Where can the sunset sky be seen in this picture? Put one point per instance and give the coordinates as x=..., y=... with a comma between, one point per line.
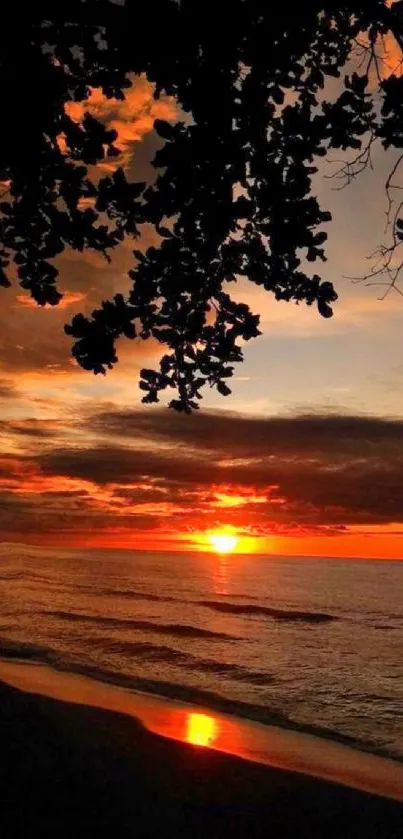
x=306, y=456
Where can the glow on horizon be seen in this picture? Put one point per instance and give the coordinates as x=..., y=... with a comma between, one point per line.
x=383, y=543
x=223, y=543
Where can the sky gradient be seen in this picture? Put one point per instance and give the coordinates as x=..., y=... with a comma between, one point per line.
x=306, y=456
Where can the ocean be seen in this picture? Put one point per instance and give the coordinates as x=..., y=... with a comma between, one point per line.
x=309, y=644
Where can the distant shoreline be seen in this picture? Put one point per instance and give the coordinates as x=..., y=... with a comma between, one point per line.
x=271, y=745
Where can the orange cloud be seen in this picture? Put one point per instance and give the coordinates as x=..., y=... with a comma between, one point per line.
x=112, y=494
x=132, y=118
x=389, y=58
x=225, y=499
x=390, y=55
x=68, y=299
x=392, y=58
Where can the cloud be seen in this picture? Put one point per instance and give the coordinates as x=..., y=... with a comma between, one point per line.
x=132, y=118
x=327, y=469
x=120, y=465
x=267, y=475
x=7, y=390
x=134, y=469
x=68, y=299
x=391, y=53
x=32, y=338
x=32, y=427
x=356, y=311
x=47, y=516
x=239, y=436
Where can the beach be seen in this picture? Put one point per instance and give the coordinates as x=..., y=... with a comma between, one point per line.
x=71, y=768
x=312, y=646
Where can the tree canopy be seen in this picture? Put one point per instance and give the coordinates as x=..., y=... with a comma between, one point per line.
x=232, y=195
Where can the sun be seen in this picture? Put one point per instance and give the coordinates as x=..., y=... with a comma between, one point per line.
x=223, y=543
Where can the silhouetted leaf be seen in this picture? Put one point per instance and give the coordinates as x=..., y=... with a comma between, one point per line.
x=164, y=129
x=223, y=389
x=324, y=309
x=232, y=196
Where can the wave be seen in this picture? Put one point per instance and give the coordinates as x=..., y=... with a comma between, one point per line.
x=386, y=626
x=242, y=596
x=137, y=650
x=266, y=611
x=178, y=629
x=28, y=652
x=190, y=695
x=217, y=605
x=168, y=655
x=129, y=594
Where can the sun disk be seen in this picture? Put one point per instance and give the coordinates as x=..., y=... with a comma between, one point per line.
x=223, y=542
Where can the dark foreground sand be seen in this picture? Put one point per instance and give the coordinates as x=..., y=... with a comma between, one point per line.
x=73, y=770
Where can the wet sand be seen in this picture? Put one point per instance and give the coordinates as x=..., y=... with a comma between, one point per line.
x=69, y=768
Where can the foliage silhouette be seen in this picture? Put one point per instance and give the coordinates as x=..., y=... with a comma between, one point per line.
x=233, y=195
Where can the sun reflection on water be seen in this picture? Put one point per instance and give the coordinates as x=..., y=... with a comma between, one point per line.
x=220, y=574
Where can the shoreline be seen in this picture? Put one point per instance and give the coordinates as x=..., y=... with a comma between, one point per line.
x=21, y=654
x=69, y=769
x=264, y=744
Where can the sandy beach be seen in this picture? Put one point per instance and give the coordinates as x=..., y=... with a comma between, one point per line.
x=68, y=767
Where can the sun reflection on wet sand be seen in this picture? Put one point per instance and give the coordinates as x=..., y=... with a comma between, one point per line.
x=201, y=729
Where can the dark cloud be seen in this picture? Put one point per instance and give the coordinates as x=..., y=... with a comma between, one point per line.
x=116, y=464
x=267, y=474
x=59, y=513
x=337, y=468
x=45, y=429
x=7, y=390
x=327, y=469
x=234, y=435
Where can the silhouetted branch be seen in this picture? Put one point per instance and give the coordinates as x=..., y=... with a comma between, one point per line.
x=351, y=169
x=387, y=264
x=389, y=187
x=368, y=57
x=384, y=266
x=254, y=116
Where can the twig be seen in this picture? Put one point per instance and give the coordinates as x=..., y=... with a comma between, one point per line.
x=350, y=169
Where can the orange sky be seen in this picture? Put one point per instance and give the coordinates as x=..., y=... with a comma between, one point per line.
x=100, y=475
x=302, y=459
